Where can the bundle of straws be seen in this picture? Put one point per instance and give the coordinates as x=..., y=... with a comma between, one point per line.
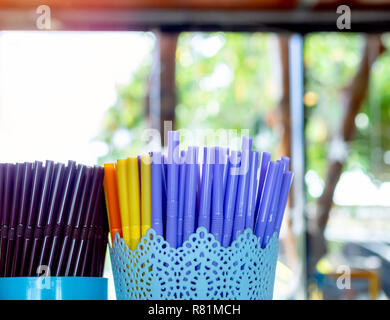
x=52, y=216
x=175, y=195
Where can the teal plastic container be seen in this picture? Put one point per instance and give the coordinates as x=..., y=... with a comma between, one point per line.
x=201, y=269
x=53, y=288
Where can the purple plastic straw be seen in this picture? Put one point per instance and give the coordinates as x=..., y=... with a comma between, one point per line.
x=246, y=143
x=73, y=203
x=38, y=230
x=250, y=210
x=89, y=212
x=182, y=181
x=24, y=200
x=242, y=193
x=225, y=169
x=218, y=197
x=265, y=159
x=62, y=212
x=8, y=186
x=99, y=199
x=77, y=227
x=52, y=211
x=2, y=174
x=190, y=193
x=164, y=192
x=206, y=188
x=2, y=166
x=198, y=181
x=165, y=173
x=19, y=169
x=156, y=168
x=230, y=198
x=285, y=189
x=105, y=239
x=172, y=188
x=31, y=215
x=286, y=163
x=265, y=201
x=269, y=229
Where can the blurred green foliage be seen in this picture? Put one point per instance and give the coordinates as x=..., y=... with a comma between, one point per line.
x=331, y=60
x=232, y=81
x=125, y=120
x=224, y=80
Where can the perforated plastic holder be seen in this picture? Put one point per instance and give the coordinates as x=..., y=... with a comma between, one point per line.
x=199, y=270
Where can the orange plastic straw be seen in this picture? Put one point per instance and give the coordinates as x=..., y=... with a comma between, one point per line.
x=111, y=192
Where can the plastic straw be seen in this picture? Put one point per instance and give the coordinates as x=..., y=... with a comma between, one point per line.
x=164, y=193
x=218, y=196
x=197, y=191
x=8, y=186
x=146, y=212
x=265, y=201
x=38, y=229
x=81, y=250
x=182, y=182
x=102, y=238
x=190, y=193
x=62, y=211
x=73, y=203
x=156, y=193
x=2, y=174
x=246, y=143
x=19, y=168
x=274, y=204
x=103, y=254
x=225, y=169
x=230, y=198
x=134, y=202
x=172, y=188
x=285, y=189
x=121, y=175
x=77, y=228
x=242, y=195
x=104, y=243
x=31, y=215
x=111, y=191
x=52, y=211
x=286, y=163
x=97, y=249
x=99, y=200
x=265, y=159
x=250, y=210
x=206, y=188
x=24, y=202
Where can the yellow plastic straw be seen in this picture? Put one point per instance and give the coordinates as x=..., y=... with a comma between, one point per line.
x=146, y=204
x=134, y=202
x=121, y=176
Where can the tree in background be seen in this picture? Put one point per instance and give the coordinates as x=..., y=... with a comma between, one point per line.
x=224, y=80
x=340, y=134
x=331, y=61
x=126, y=119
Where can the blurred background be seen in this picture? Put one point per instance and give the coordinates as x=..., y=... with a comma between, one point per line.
x=88, y=88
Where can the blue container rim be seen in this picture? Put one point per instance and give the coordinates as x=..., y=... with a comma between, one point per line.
x=53, y=288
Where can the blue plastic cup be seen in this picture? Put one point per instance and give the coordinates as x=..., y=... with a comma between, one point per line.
x=53, y=288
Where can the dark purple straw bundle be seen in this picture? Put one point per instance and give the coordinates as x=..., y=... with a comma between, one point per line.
x=53, y=218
